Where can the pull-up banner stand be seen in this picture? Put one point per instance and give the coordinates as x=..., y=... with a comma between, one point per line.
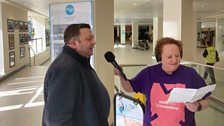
x=64, y=14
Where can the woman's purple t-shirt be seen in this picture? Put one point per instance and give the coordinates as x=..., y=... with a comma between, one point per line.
x=156, y=85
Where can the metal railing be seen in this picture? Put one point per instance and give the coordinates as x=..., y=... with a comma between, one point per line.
x=37, y=44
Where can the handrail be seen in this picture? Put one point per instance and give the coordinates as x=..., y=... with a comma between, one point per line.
x=30, y=47
x=132, y=65
x=182, y=62
x=190, y=62
x=217, y=100
x=35, y=38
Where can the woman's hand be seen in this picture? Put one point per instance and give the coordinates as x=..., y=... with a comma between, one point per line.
x=125, y=83
x=192, y=106
x=198, y=105
x=116, y=72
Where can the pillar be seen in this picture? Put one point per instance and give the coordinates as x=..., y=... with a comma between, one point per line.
x=157, y=30
x=123, y=36
x=2, y=70
x=134, y=36
x=178, y=23
x=104, y=35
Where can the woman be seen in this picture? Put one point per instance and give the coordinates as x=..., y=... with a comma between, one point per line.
x=156, y=82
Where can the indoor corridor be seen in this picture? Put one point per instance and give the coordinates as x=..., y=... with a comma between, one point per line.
x=21, y=94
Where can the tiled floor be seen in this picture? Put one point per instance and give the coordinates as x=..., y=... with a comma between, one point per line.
x=21, y=96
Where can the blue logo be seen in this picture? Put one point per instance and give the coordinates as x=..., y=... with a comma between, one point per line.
x=69, y=9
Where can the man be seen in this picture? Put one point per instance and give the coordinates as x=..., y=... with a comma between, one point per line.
x=210, y=54
x=73, y=94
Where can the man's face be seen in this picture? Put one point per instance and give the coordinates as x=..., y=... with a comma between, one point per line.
x=86, y=42
x=170, y=58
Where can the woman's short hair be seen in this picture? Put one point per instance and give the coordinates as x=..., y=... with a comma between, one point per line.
x=164, y=41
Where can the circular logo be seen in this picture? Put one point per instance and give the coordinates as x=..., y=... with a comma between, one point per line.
x=69, y=9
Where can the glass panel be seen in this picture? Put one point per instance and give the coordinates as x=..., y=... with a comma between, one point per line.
x=219, y=74
x=217, y=99
x=130, y=71
x=37, y=45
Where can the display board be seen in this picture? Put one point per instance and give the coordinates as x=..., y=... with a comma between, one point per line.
x=127, y=111
x=62, y=15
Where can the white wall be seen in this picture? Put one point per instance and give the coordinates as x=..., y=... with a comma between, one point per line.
x=9, y=11
x=16, y=13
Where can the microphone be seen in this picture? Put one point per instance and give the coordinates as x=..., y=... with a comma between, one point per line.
x=109, y=56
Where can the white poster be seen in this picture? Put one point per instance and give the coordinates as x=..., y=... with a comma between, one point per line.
x=62, y=15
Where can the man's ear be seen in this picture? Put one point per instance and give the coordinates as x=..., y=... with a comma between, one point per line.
x=73, y=44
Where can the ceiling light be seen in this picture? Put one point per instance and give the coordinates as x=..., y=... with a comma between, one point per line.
x=134, y=4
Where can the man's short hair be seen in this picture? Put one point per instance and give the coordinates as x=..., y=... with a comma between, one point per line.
x=73, y=31
x=209, y=43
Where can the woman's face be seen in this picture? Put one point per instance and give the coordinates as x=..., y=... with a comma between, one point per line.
x=170, y=58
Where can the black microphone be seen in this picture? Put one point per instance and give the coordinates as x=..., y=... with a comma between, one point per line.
x=109, y=56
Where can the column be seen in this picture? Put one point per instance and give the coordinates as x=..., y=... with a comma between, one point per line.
x=157, y=30
x=104, y=35
x=199, y=34
x=123, y=36
x=118, y=31
x=218, y=36
x=134, y=36
x=192, y=45
x=2, y=71
x=178, y=23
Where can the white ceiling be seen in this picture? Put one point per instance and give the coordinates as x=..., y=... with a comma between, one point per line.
x=126, y=11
